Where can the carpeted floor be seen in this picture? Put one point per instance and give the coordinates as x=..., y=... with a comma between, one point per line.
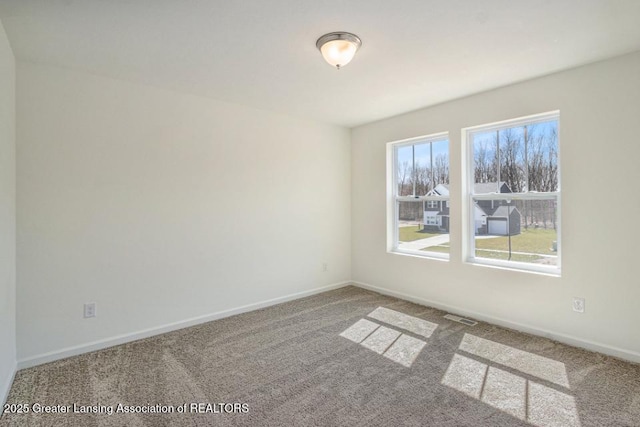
x=335, y=359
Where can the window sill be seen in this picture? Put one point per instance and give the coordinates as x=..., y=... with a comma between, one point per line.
x=420, y=254
x=550, y=271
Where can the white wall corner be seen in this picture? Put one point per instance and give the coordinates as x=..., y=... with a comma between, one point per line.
x=5, y=386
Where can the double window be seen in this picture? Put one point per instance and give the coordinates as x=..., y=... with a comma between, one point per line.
x=511, y=195
x=419, y=196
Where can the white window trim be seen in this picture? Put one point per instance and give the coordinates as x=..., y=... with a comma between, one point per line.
x=393, y=198
x=468, y=198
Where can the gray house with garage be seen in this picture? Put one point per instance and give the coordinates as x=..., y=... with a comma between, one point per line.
x=491, y=217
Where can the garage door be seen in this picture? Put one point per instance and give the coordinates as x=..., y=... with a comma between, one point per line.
x=498, y=227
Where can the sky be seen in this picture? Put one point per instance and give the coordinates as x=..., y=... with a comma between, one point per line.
x=423, y=152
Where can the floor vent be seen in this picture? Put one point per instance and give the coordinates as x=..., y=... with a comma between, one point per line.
x=460, y=320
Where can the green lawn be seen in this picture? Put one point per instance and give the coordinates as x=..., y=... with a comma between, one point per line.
x=487, y=254
x=505, y=256
x=533, y=241
x=411, y=233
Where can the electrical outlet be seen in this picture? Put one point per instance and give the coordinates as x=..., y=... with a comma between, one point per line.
x=578, y=305
x=325, y=267
x=90, y=310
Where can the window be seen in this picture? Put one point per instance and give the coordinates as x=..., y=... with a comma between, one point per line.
x=513, y=194
x=432, y=220
x=418, y=177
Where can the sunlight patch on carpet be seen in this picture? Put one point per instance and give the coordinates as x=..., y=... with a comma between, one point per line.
x=359, y=330
x=404, y=321
x=405, y=350
x=392, y=343
x=523, y=361
x=516, y=395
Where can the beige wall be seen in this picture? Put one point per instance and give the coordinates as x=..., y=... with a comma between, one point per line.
x=599, y=108
x=163, y=207
x=7, y=216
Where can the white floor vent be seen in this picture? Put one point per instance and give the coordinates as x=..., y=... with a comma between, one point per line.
x=459, y=319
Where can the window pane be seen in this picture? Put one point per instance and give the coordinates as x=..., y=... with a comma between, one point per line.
x=423, y=228
x=542, y=156
x=520, y=230
x=404, y=169
x=422, y=169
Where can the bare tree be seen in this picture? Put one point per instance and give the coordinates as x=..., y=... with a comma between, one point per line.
x=512, y=167
x=542, y=165
x=486, y=165
x=441, y=170
x=423, y=180
x=404, y=177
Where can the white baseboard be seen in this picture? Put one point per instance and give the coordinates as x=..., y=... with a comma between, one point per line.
x=134, y=336
x=620, y=353
x=6, y=386
x=146, y=333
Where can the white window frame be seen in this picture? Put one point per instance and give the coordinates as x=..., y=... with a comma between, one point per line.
x=393, y=198
x=469, y=198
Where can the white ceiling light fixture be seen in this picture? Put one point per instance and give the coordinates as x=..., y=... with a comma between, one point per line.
x=338, y=48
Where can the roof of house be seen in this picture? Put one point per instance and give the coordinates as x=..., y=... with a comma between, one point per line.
x=490, y=187
x=440, y=190
x=478, y=188
x=501, y=211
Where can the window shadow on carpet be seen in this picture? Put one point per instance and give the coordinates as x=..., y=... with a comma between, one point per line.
x=393, y=342
x=472, y=371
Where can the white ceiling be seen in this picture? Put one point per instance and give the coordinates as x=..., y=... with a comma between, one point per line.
x=262, y=53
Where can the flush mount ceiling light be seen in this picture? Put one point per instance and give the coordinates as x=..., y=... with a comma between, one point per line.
x=338, y=48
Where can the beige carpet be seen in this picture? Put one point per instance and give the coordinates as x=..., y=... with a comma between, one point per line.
x=343, y=358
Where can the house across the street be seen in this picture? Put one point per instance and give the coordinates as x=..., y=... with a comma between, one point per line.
x=492, y=217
